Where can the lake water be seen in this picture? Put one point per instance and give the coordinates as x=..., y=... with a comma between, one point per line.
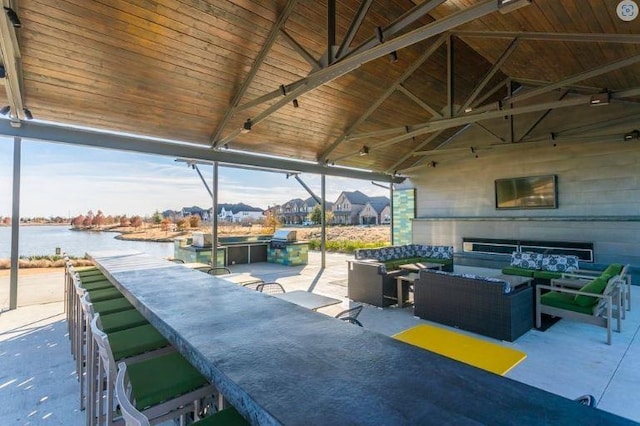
x=43, y=240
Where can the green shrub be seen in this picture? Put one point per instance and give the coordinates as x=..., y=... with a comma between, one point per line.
x=345, y=246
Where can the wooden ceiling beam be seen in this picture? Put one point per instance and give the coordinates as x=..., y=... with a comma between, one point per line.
x=541, y=36
x=275, y=30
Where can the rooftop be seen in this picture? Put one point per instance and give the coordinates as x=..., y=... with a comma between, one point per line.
x=38, y=384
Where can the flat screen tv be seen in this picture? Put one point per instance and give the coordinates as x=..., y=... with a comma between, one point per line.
x=533, y=192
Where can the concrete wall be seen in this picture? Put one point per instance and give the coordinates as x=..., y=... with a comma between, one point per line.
x=598, y=197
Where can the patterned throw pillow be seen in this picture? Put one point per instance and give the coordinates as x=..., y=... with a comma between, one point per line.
x=559, y=263
x=526, y=260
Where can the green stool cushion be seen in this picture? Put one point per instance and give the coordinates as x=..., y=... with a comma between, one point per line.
x=88, y=273
x=227, y=417
x=112, y=306
x=135, y=341
x=514, y=270
x=92, y=278
x=162, y=378
x=564, y=301
x=97, y=285
x=101, y=295
x=122, y=321
x=596, y=286
x=613, y=269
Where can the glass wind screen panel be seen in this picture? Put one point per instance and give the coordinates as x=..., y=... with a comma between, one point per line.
x=535, y=192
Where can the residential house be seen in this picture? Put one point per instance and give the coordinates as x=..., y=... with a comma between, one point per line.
x=348, y=206
x=377, y=211
x=196, y=211
x=239, y=213
x=292, y=212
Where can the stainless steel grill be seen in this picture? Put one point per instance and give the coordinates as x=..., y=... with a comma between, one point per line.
x=282, y=237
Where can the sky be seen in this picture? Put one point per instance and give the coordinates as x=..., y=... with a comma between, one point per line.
x=65, y=180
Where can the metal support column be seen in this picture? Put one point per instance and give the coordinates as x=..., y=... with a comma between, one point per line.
x=15, y=224
x=214, y=217
x=323, y=219
x=391, y=210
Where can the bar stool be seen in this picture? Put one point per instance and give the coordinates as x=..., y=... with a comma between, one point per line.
x=134, y=417
x=166, y=381
x=132, y=335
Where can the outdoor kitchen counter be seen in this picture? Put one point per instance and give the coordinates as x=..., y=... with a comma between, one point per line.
x=279, y=363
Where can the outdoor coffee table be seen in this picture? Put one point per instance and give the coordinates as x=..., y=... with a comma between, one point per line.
x=403, y=280
x=480, y=353
x=307, y=299
x=420, y=265
x=514, y=280
x=240, y=279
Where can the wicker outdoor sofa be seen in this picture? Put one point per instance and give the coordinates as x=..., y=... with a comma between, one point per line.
x=372, y=275
x=482, y=305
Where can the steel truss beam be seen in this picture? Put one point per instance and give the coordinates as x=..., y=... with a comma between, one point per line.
x=446, y=123
x=539, y=36
x=51, y=133
x=405, y=157
x=254, y=70
x=390, y=90
x=11, y=59
x=315, y=65
x=398, y=25
x=354, y=27
x=419, y=101
x=489, y=75
x=355, y=60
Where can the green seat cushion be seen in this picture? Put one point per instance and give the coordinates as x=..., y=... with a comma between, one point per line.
x=135, y=341
x=101, y=295
x=92, y=278
x=112, y=306
x=547, y=275
x=613, y=269
x=162, y=378
x=564, y=301
x=122, y=320
x=226, y=417
x=97, y=285
x=88, y=273
x=514, y=270
x=596, y=286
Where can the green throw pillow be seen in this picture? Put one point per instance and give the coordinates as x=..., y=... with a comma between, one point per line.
x=596, y=286
x=613, y=269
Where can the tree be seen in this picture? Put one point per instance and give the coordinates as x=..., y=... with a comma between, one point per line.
x=194, y=221
x=136, y=222
x=157, y=218
x=124, y=221
x=77, y=221
x=271, y=220
x=98, y=219
x=182, y=224
x=165, y=225
x=316, y=213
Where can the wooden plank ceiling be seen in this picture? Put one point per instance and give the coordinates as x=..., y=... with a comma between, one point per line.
x=172, y=69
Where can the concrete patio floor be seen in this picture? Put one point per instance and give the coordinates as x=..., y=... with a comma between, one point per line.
x=37, y=374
